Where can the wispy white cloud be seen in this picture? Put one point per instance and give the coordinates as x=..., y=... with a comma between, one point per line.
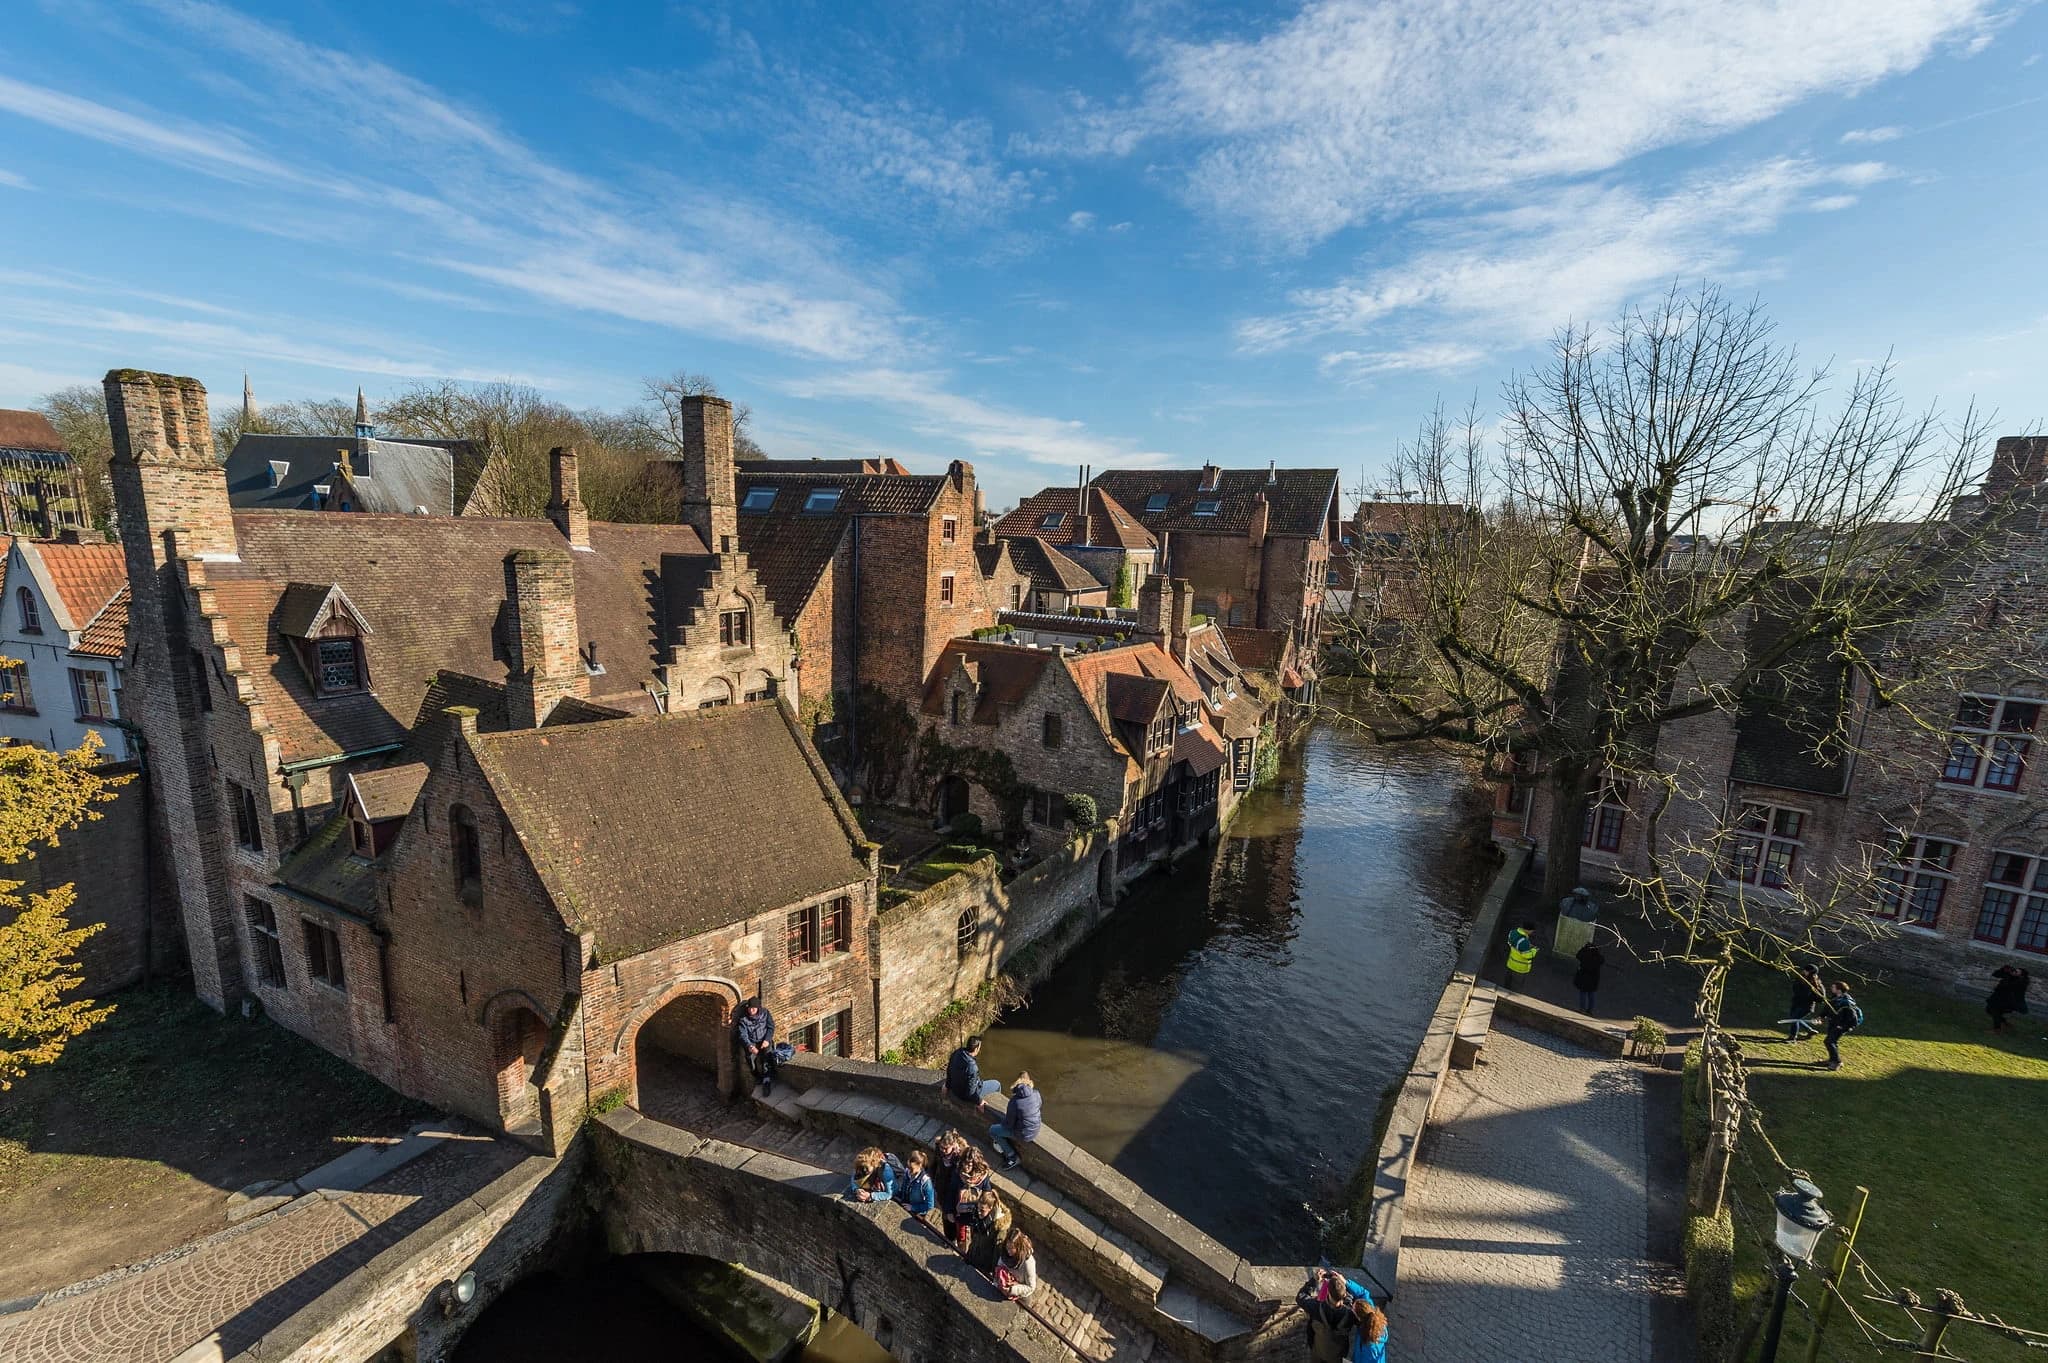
x=1358, y=108
x=10, y=180
x=1500, y=279
x=1081, y=220
x=218, y=151
x=1857, y=136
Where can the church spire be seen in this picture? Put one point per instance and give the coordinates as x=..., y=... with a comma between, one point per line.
x=248, y=402
x=364, y=430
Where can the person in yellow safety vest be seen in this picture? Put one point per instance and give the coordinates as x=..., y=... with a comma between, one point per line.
x=1521, y=953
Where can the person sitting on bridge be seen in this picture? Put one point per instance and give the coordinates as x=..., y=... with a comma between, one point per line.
x=755, y=1030
x=963, y=1074
x=1022, y=1122
x=1521, y=953
x=1369, y=1331
x=1017, y=1269
x=951, y=1149
x=914, y=1190
x=873, y=1179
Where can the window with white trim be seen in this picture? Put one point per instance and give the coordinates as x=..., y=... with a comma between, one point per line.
x=1765, y=847
x=1913, y=879
x=822, y=500
x=263, y=937
x=1989, y=742
x=2014, y=910
x=1606, y=817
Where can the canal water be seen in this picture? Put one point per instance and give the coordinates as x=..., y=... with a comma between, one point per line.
x=1224, y=1038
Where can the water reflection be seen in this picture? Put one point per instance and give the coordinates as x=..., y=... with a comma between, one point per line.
x=1224, y=1039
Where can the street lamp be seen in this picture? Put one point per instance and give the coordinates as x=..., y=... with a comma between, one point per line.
x=1801, y=1219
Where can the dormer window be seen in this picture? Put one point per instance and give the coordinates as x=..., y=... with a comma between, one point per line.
x=320, y=491
x=759, y=498
x=1052, y=520
x=278, y=469
x=326, y=633
x=1208, y=506
x=340, y=664
x=360, y=840
x=1157, y=502
x=822, y=501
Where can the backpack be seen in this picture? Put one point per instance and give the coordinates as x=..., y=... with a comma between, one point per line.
x=1855, y=1010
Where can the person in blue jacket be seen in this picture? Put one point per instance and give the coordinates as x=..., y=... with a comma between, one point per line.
x=873, y=1179
x=914, y=1190
x=755, y=1033
x=1022, y=1123
x=963, y=1074
x=1369, y=1331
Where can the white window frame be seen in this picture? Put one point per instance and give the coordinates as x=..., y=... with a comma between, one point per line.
x=2029, y=896
x=1906, y=872
x=1767, y=839
x=1987, y=744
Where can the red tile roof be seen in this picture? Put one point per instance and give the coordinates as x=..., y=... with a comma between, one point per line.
x=1003, y=675
x=1257, y=648
x=106, y=636
x=20, y=430
x=84, y=576
x=1110, y=525
x=1299, y=501
x=1200, y=749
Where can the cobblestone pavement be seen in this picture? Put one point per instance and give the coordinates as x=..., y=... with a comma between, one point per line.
x=253, y=1277
x=1092, y=1326
x=1527, y=1237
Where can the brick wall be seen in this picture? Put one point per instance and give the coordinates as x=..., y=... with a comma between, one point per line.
x=1084, y=762
x=702, y=667
x=923, y=965
x=824, y=633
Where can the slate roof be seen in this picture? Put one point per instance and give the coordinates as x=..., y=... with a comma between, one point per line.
x=30, y=432
x=910, y=494
x=389, y=792
x=881, y=465
x=402, y=474
x=729, y=815
x=85, y=577
x=1300, y=501
x=106, y=636
x=325, y=867
x=431, y=591
x=1049, y=569
x=790, y=554
x=1110, y=525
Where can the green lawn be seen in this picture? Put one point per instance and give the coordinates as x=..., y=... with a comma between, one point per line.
x=1947, y=1126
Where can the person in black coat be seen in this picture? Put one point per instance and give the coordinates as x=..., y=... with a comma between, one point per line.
x=1587, y=978
x=1807, y=992
x=2008, y=995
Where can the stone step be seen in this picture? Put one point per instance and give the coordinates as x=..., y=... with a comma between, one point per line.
x=1197, y=1314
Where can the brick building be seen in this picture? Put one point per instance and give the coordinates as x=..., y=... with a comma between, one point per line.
x=41, y=492
x=1128, y=723
x=875, y=572
x=480, y=804
x=1053, y=582
x=63, y=630
x=1954, y=825
x=1097, y=532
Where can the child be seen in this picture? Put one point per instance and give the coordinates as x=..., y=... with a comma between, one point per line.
x=1017, y=1271
x=914, y=1190
x=973, y=1181
x=873, y=1179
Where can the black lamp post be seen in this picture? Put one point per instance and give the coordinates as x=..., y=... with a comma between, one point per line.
x=1801, y=1219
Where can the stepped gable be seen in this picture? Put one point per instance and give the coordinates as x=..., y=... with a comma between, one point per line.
x=1299, y=501
x=731, y=797
x=430, y=593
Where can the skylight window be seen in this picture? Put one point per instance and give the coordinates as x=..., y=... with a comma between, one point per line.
x=1157, y=501
x=1052, y=520
x=822, y=499
x=1208, y=506
x=758, y=499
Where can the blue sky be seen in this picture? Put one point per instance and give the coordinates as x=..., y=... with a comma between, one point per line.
x=1032, y=234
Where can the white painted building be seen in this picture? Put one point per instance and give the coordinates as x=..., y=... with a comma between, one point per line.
x=63, y=631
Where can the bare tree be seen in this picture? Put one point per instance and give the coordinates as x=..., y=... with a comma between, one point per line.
x=80, y=415
x=1674, y=519
x=664, y=400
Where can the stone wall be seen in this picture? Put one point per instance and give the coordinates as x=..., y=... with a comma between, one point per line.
x=667, y=1191
x=923, y=965
x=121, y=883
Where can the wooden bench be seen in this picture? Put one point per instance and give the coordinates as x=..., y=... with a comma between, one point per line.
x=1473, y=1025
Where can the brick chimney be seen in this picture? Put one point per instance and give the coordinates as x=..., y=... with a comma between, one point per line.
x=540, y=590
x=565, y=505
x=165, y=476
x=1180, y=617
x=707, y=472
x=2018, y=464
x=1262, y=515
x=1155, y=603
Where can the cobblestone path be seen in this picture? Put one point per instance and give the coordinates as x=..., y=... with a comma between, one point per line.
x=1092, y=1326
x=253, y=1277
x=1527, y=1234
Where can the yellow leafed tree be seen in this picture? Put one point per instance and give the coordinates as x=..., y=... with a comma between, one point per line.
x=42, y=796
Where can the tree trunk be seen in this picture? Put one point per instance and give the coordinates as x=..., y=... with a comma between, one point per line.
x=1561, y=844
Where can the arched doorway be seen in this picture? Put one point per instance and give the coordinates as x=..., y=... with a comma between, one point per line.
x=952, y=799
x=683, y=1061
x=520, y=1039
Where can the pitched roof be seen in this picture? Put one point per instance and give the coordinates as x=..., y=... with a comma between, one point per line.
x=728, y=815
x=401, y=474
x=1200, y=749
x=1109, y=524
x=1049, y=569
x=1115, y=701
x=431, y=591
x=325, y=867
x=85, y=577
x=789, y=554
x=1134, y=699
x=389, y=792
x=1299, y=501
x=106, y=635
x=910, y=494
x=22, y=430
x=1257, y=648
x=1004, y=674
x=880, y=465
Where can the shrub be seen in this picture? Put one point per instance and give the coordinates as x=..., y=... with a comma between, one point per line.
x=1648, y=1037
x=1081, y=811
x=967, y=826
x=1710, y=1280
x=609, y=1101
